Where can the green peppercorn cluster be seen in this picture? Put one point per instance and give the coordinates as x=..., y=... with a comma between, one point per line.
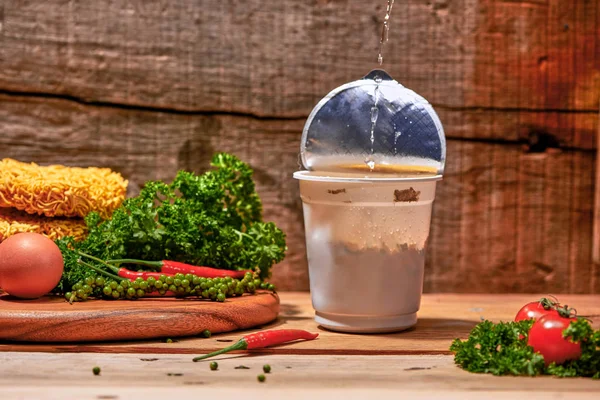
x=215, y=289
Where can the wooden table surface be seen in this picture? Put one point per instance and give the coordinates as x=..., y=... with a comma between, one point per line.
x=416, y=362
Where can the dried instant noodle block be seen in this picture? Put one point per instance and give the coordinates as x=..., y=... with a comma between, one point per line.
x=57, y=190
x=13, y=222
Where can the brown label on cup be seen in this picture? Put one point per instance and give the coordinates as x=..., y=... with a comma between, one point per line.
x=406, y=195
x=336, y=191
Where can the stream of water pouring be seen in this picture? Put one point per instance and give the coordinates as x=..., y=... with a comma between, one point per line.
x=375, y=110
x=385, y=30
x=374, y=115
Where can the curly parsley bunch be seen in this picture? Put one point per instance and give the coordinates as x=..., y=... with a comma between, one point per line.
x=213, y=219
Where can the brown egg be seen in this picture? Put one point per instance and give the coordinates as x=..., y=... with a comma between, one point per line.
x=31, y=265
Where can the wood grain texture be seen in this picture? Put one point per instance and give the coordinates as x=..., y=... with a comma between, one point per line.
x=506, y=63
x=504, y=219
x=596, y=236
x=441, y=319
x=52, y=319
x=147, y=87
x=159, y=376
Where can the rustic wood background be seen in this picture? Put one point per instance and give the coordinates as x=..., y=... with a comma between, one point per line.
x=148, y=87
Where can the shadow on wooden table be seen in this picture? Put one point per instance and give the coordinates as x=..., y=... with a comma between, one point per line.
x=426, y=328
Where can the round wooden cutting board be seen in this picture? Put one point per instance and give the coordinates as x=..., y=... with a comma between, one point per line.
x=52, y=319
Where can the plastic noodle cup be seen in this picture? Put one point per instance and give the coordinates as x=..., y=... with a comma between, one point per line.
x=365, y=241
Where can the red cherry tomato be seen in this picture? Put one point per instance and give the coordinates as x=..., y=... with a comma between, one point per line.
x=546, y=338
x=536, y=310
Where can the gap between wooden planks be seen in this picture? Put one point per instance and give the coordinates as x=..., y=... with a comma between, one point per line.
x=442, y=318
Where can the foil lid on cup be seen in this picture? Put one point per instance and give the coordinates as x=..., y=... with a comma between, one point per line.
x=374, y=126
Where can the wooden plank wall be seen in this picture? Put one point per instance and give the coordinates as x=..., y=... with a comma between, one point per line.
x=148, y=87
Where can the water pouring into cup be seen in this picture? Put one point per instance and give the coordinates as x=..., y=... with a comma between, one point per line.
x=373, y=151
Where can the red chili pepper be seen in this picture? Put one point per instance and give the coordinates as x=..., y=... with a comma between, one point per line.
x=124, y=272
x=175, y=267
x=260, y=340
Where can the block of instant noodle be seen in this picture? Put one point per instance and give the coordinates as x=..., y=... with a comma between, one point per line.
x=13, y=222
x=57, y=190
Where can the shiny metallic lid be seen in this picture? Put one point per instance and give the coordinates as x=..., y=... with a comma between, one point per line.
x=374, y=125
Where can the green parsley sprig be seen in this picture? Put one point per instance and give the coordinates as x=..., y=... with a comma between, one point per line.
x=213, y=219
x=501, y=349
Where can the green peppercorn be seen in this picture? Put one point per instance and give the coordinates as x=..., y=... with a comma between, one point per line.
x=169, y=340
x=143, y=285
x=185, y=282
x=158, y=284
x=169, y=280
x=179, y=276
x=131, y=291
x=163, y=278
x=99, y=281
x=107, y=290
x=151, y=281
x=271, y=287
x=267, y=368
x=261, y=378
x=68, y=295
x=96, y=370
x=221, y=297
x=115, y=294
x=89, y=281
x=206, y=333
x=214, y=366
x=189, y=277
